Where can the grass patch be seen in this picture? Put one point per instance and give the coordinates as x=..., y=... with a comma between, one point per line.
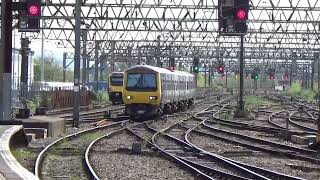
x=307, y=94
x=200, y=80
x=252, y=102
x=21, y=154
x=91, y=136
x=226, y=115
x=296, y=91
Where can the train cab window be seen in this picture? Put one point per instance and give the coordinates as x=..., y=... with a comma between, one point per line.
x=116, y=80
x=141, y=82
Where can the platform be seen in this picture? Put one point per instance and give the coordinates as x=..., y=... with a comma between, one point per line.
x=10, y=168
x=55, y=126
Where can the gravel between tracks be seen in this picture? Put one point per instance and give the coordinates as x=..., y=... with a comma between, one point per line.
x=112, y=159
x=35, y=147
x=260, y=159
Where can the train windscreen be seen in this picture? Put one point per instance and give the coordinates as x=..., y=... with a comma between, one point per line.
x=116, y=80
x=141, y=82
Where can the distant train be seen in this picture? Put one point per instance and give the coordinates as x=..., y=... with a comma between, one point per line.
x=150, y=91
x=115, y=86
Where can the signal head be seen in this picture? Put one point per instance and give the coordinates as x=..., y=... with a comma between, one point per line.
x=271, y=77
x=241, y=14
x=33, y=9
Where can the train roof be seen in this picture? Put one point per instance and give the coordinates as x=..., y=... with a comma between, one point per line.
x=116, y=73
x=162, y=70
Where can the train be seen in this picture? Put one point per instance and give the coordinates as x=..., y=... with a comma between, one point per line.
x=152, y=91
x=115, y=86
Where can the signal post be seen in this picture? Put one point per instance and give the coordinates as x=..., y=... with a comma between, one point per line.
x=233, y=15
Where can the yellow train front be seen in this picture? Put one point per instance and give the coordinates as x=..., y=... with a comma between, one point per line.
x=149, y=91
x=115, y=86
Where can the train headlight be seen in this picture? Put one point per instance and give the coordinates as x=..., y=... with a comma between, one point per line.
x=129, y=97
x=153, y=97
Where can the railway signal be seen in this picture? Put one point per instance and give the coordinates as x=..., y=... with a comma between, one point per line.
x=171, y=64
x=271, y=76
x=241, y=15
x=233, y=16
x=196, y=65
x=271, y=73
x=220, y=69
x=255, y=75
x=29, y=16
x=212, y=75
x=286, y=76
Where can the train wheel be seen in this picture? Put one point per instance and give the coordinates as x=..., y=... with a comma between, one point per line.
x=190, y=104
x=167, y=109
x=159, y=112
x=183, y=105
x=175, y=107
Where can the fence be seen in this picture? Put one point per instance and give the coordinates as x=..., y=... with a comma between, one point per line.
x=64, y=98
x=56, y=97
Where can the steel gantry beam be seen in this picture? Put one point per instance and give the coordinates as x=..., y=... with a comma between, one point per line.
x=140, y=30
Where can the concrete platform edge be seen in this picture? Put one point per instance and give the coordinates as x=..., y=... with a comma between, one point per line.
x=9, y=159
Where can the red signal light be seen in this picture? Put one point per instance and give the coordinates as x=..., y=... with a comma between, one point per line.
x=271, y=77
x=222, y=77
x=33, y=9
x=241, y=14
x=220, y=69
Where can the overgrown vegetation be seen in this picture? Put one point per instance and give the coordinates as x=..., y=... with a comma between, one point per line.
x=253, y=102
x=100, y=98
x=91, y=136
x=296, y=91
x=21, y=153
x=200, y=80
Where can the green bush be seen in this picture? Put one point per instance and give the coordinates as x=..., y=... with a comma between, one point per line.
x=100, y=98
x=294, y=90
x=31, y=105
x=93, y=96
x=200, y=80
x=103, y=98
x=308, y=94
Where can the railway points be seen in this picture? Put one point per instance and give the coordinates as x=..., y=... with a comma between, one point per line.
x=170, y=89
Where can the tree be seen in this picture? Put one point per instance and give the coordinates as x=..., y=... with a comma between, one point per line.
x=52, y=71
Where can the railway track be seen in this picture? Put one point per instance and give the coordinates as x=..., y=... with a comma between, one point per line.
x=69, y=152
x=211, y=165
x=303, y=122
x=263, y=172
x=74, y=150
x=172, y=140
x=282, y=120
